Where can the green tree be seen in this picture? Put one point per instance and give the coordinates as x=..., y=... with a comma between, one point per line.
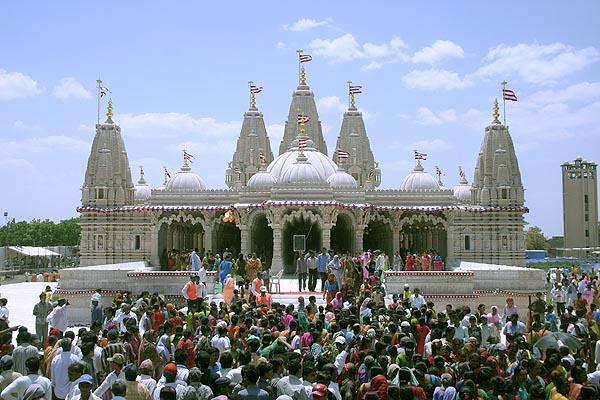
x=534, y=239
x=40, y=233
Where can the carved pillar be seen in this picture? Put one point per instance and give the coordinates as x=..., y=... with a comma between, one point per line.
x=358, y=239
x=451, y=237
x=395, y=239
x=176, y=238
x=277, y=262
x=244, y=239
x=208, y=233
x=429, y=239
x=326, y=236
x=154, y=256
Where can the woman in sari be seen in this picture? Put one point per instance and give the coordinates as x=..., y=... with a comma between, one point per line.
x=331, y=288
x=228, y=288
x=148, y=351
x=338, y=302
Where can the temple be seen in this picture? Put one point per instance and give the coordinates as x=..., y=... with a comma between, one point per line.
x=335, y=202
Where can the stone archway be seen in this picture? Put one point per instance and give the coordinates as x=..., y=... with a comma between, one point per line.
x=343, y=234
x=423, y=233
x=299, y=222
x=178, y=234
x=227, y=237
x=378, y=236
x=261, y=238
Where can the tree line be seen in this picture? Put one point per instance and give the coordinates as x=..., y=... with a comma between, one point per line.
x=41, y=233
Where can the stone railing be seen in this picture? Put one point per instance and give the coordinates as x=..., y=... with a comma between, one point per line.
x=431, y=282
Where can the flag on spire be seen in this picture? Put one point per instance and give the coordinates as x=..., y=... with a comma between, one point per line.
x=303, y=119
x=262, y=158
x=255, y=89
x=302, y=142
x=355, y=89
x=509, y=95
x=420, y=156
x=237, y=170
x=304, y=58
x=104, y=91
x=461, y=172
x=187, y=156
x=167, y=174
x=342, y=154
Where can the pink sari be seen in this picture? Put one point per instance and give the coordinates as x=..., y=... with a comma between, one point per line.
x=228, y=287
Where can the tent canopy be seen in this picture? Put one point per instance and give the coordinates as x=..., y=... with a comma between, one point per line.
x=32, y=251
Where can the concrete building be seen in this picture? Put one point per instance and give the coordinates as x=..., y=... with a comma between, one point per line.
x=580, y=207
x=335, y=201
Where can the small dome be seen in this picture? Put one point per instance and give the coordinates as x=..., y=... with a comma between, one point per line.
x=462, y=191
x=185, y=180
x=419, y=180
x=301, y=173
x=342, y=179
x=142, y=190
x=324, y=166
x=262, y=180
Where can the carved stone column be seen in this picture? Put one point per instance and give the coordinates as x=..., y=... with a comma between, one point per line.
x=326, y=236
x=358, y=239
x=244, y=239
x=395, y=239
x=208, y=234
x=277, y=262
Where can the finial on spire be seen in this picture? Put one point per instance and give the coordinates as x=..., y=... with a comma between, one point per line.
x=353, y=90
x=142, y=180
x=302, y=58
x=109, y=111
x=496, y=112
x=254, y=90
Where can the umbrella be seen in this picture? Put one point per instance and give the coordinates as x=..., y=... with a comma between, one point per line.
x=551, y=341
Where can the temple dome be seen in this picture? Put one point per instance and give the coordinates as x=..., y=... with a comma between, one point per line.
x=302, y=172
x=462, y=191
x=419, y=180
x=185, y=180
x=324, y=166
x=142, y=190
x=342, y=179
x=262, y=180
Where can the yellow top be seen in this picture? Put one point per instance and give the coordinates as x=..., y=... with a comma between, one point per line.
x=109, y=111
x=496, y=111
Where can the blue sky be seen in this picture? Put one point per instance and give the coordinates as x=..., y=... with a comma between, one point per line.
x=178, y=73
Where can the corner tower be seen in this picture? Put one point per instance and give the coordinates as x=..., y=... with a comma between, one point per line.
x=497, y=179
x=253, y=145
x=107, y=180
x=303, y=102
x=353, y=144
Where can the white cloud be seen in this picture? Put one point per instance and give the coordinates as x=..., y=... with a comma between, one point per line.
x=425, y=116
x=206, y=148
x=275, y=132
x=436, y=79
x=583, y=91
x=347, y=48
x=280, y=45
x=15, y=85
x=19, y=164
x=305, y=24
x=438, y=51
x=70, y=87
x=536, y=63
x=331, y=104
x=23, y=126
x=39, y=145
x=171, y=125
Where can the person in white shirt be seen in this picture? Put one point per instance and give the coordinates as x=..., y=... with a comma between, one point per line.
x=4, y=311
x=97, y=296
x=146, y=370
x=170, y=375
x=74, y=348
x=123, y=315
x=220, y=341
x=59, y=369
x=116, y=363
x=58, y=316
x=416, y=299
x=16, y=390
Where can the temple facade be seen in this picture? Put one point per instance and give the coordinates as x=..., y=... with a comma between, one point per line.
x=334, y=202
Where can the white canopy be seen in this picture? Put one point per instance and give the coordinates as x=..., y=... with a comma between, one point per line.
x=32, y=251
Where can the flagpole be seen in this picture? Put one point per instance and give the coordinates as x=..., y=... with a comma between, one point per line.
x=349, y=95
x=299, y=51
x=98, y=82
x=504, y=83
x=250, y=90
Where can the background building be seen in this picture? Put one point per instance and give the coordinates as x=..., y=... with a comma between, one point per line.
x=580, y=207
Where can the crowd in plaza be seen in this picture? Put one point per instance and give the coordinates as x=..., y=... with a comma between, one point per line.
x=357, y=345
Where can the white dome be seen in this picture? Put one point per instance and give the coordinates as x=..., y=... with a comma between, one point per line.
x=262, y=180
x=142, y=190
x=419, y=180
x=185, y=180
x=302, y=173
x=342, y=179
x=462, y=191
x=324, y=166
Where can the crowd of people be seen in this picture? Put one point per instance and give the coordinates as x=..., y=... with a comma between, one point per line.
x=357, y=345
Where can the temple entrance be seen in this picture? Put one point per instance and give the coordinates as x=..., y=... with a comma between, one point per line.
x=299, y=226
x=342, y=235
x=378, y=236
x=176, y=241
x=424, y=235
x=261, y=237
x=227, y=237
